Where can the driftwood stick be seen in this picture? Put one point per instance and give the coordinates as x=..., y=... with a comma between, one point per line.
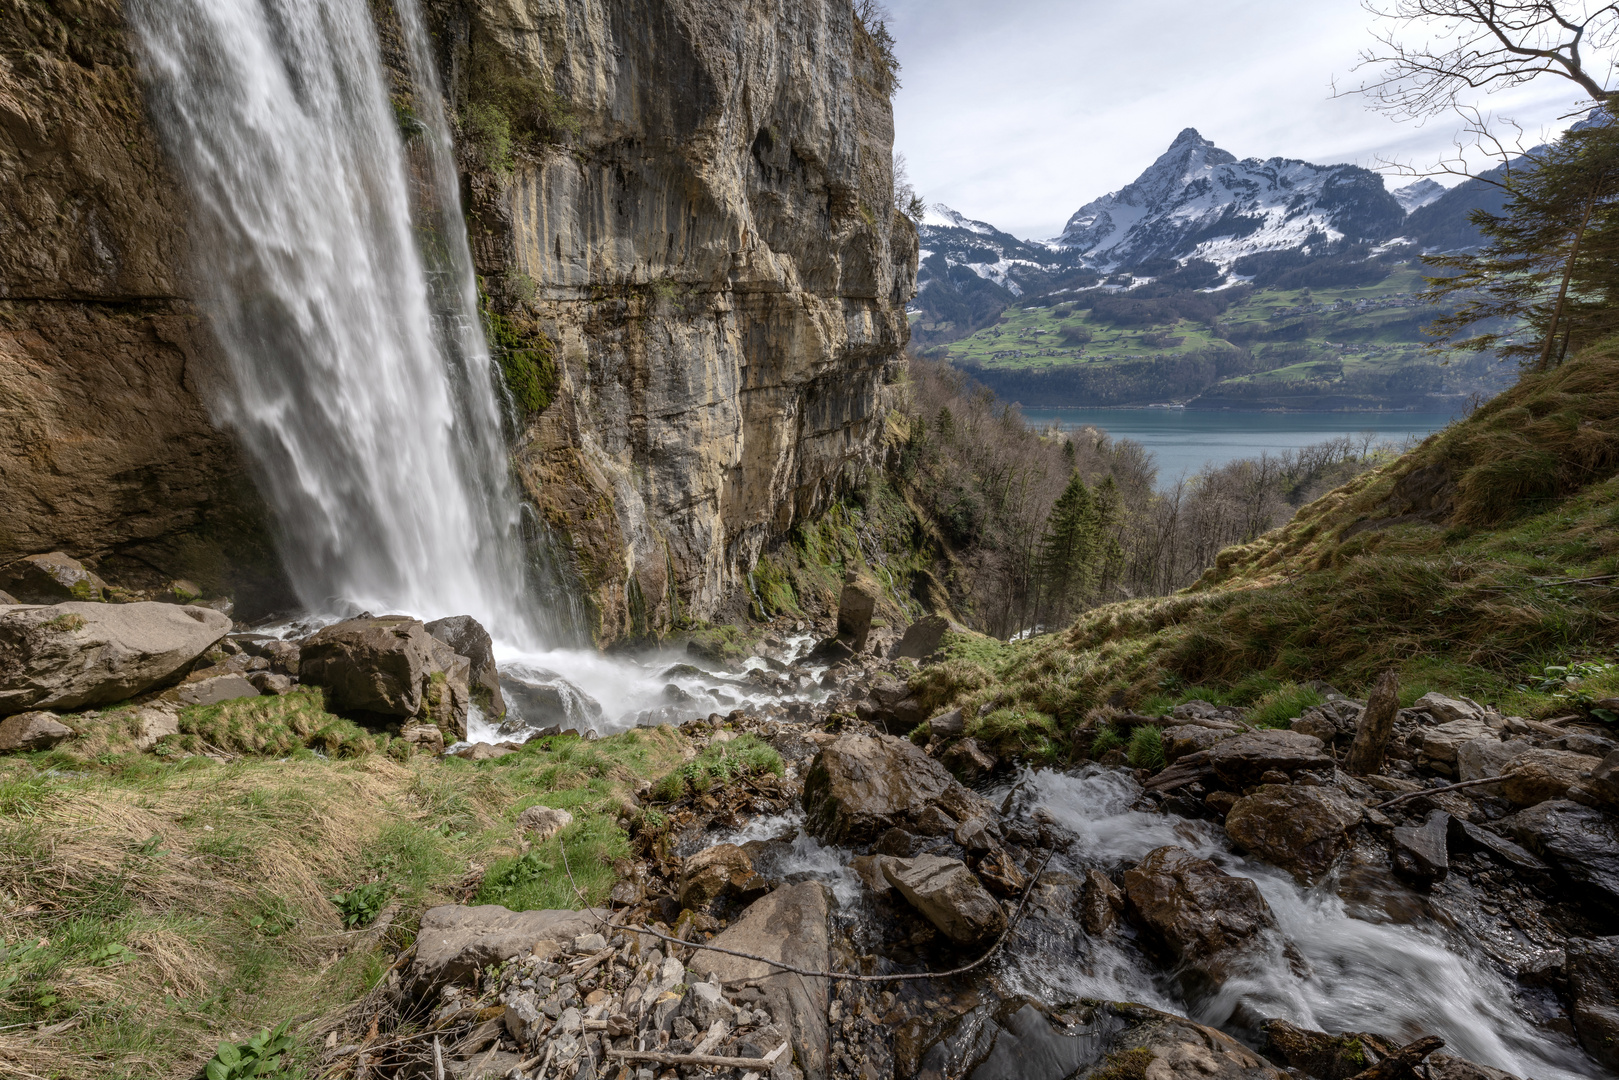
x=807, y=973
x=1448, y=787
x=711, y=1061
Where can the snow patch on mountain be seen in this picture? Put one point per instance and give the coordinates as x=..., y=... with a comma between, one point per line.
x=1415, y=196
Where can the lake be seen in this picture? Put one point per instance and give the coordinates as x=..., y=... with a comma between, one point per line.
x=1184, y=440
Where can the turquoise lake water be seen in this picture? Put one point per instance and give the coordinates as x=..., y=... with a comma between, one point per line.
x=1183, y=441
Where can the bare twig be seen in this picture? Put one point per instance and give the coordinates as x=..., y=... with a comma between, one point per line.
x=711, y=1061
x=1448, y=787
x=806, y=972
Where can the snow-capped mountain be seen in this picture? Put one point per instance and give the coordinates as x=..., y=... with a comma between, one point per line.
x=1416, y=196
x=1198, y=201
x=991, y=254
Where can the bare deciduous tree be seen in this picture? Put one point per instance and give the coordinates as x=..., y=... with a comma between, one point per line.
x=1487, y=46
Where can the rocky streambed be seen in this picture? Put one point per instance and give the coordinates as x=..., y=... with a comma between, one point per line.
x=1251, y=908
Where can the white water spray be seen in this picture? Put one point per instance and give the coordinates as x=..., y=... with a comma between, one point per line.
x=361, y=384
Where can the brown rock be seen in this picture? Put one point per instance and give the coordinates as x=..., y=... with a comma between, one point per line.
x=1601, y=788
x=540, y=823
x=1183, y=739
x=925, y=635
x=1537, y=775
x=1207, y=920
x=1220, y=802
x=856, y=605
x=1242, y=759
x=1102, y=904
x=949, y=896
x=1161, y=1046
x=788, y=925
x=1301, y=829
x=468, y=638
x=720, y=870
x=388, y=665
x=860, y=786
x=32, y=731
x=72, y=655
x=426, y=738
x=968, y=760
x=215, y=690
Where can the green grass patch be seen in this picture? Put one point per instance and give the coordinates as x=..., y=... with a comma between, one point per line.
x=1282, y=706
x=719, y=762
x=1146, y=749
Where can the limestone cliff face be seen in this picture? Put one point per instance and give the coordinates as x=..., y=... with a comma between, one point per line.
x=106, y=449
x=704, y=231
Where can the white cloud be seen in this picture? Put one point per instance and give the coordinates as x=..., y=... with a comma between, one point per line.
x=1019, y=113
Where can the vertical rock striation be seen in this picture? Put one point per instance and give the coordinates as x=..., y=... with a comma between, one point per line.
x=703, y=243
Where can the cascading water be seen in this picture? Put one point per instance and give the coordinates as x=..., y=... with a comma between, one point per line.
x=361, y=383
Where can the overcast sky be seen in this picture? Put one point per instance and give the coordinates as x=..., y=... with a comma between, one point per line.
x=1017, y=112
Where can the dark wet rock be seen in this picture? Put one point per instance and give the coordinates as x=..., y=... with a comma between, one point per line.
x=468, y=637
x=925, y=635
x=1333, y=721
x=1000, y=872
x=1301, y=829
x=1102, y=904
x=1580, y=842
x=790, y=926
x=1219, y=803
x=1535, y=776
x=1242, y=759
x=1056, y=897
x=860, y=786
x=1208, y=921
x=32, y=731
x=1155, y=1045
x=389, y=665
x=1465, y=836
x=1593, y=985
x=51, y=579
x=1184, y=739
x=73, y=655
x=978, y=834
x=1583, y=742
x=1315, y=1053
x=949, y=896
x=933, y=821
x=1422, y=854
x=455, y=940
x=541, y=699
x=1601, y=788
x=968, y=760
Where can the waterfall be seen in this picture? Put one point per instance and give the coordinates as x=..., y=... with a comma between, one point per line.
x=360, y=381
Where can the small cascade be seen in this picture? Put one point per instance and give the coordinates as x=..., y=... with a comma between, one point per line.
x=360, y=381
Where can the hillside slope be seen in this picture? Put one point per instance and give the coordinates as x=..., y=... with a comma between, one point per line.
x=1471, y=565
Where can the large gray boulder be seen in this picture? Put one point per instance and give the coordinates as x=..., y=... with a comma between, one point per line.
x=389, y=665
x=541, y=699
x=1208, y=921
x=788, y=926
x=455, y=940
x=859, y=786
x=1301, y=829
x=77, y=654
x=50, y=579
x=949, y=896
x=467, y=637
x=1242, y=759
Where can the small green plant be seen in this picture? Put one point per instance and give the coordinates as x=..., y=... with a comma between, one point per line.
x=1281, y=706
x=1563, y=681
x=490, y=130
x=65, y=624
x=361, y=904
x=530, y=868
x=1146, y=747
x=259, y=1056
x=1107, y=740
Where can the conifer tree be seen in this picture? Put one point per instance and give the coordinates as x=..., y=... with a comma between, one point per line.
x=1067, y=565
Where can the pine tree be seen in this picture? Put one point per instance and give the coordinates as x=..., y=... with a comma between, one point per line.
x=1549, y=270
x=1067, y=564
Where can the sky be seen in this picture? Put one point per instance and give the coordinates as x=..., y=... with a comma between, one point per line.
x=1018, y=112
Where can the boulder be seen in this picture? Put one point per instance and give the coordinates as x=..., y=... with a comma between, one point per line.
x=948, y=724
x=1422, y=855
x=723, y=869
x=1465, y=836
x=271, y=683
x=1242, y=759
x=968, y=760
x=32, y=731
x=1332, y=721
x=1208, y=921
x=1439, y=745
x=1448, y=709
x=860, y=786
x=1487, y=756
x=215, y=690
x=1593, y=986
x=1580, y=842
x=1301, y=829
x=1537, y=775
x=455, y=940
x=541, y=699
x=153, y=723
x=788, y=926
x=73, y=655
x=1156, y=1045
x=7, y=599
x=1601, y=788
x=389, y=665
x=467, y=637
x=856, y=605
x=540, y=823
x=1198, y=710
x=925, y=635
x=949, y=896
x=51, y=579
x=1183, y=739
